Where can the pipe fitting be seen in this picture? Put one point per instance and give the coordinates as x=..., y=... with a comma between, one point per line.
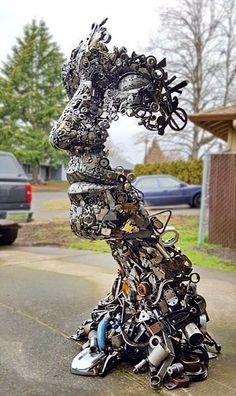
x=158, y=355
x=155, y=382
x=193, y=334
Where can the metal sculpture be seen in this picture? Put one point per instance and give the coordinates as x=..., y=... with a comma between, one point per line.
x=153, y=314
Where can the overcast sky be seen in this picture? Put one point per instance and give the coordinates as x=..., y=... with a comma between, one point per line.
x=130, y=22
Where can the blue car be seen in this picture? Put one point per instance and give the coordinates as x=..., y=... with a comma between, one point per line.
x=168, y=190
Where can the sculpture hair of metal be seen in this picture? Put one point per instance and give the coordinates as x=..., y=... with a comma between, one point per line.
x=153, y=315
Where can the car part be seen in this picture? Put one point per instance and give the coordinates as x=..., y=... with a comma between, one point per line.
x=8, y=232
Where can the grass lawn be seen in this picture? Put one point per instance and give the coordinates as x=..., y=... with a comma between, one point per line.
x=57, y=204
x=207, y=255
x=58, y=233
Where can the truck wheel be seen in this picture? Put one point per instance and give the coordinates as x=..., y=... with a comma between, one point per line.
x=8, y=236
x=196, y=201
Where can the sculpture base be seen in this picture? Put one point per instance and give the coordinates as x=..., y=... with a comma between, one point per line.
x=173, y=347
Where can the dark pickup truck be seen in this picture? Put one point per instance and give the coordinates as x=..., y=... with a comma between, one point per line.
x=15, y=197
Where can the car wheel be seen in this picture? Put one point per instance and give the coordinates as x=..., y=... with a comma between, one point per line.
x=8, y=236
x=196, y=201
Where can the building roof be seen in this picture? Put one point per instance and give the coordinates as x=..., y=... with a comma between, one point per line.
x=154, y=153
x=217, y=121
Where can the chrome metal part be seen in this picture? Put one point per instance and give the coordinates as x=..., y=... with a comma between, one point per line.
x=175, y=369
x=86, y=362
x=158, y=354
x=193, y=334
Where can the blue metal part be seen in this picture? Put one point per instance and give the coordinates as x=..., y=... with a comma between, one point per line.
x=101, y=334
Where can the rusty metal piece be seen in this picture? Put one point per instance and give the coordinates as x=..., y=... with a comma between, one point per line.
x=155, y=328
x=181, y=381
x=163, y=306
x=199, y=375
x=125, y=287
x=191, y=363
x=129, y=206
x=143, y=289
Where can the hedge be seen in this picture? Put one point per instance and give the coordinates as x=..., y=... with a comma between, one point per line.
x=187, y=171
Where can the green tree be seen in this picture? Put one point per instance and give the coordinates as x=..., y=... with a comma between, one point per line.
x=31, y=97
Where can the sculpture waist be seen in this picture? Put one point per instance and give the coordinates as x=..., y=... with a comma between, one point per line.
x=94, y=168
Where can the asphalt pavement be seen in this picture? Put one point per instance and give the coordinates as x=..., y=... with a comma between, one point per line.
x=45, y=293
x=41, y=212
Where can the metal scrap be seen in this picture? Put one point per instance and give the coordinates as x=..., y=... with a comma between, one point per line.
x=153, y=316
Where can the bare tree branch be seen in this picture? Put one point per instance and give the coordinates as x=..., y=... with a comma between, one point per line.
x=199, y=39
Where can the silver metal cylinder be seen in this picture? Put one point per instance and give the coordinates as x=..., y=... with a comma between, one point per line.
x=138, y=366
x=203, y=323
x=158, y=354
x=87, y=328
x=154, y=341
x=93, y=340
x=193, y=334
x=175, y=369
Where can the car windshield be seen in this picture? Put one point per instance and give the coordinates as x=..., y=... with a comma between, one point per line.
x=9, y=166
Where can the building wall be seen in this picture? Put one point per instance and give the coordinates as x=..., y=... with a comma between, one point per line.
x=63, y=172
x=222, y=200
x=45, y=172
x=58, y=173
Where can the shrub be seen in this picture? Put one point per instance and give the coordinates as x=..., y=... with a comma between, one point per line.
x=187, y=171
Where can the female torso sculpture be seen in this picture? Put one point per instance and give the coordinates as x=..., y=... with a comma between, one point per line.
x=154, y=277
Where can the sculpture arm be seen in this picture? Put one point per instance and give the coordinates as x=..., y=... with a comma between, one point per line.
x=80, y=124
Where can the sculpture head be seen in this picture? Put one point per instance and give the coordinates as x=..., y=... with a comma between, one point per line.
x=136, y=85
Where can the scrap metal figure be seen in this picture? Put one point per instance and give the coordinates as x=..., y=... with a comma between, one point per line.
x=153, y=314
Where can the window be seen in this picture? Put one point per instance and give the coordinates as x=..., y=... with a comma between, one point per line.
x=147, y=183
x=27, y=168
x=168, y=182
x=9, y=165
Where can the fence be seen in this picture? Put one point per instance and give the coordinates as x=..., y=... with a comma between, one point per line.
x=204, y=218
x=222, y=200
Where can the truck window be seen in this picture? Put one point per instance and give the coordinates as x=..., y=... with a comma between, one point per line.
x=10, y=166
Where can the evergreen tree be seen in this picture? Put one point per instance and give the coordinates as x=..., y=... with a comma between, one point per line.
x=31, y=97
